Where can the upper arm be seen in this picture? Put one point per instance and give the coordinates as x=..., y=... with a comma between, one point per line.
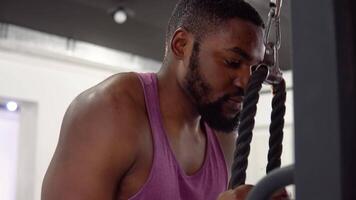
x=96, y=148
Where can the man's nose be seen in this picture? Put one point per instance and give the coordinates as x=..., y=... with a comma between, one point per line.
x=242, y=77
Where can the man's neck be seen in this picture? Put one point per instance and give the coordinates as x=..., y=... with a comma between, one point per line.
x=177, y=109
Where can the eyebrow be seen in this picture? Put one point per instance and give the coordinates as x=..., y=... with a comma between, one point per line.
x=241, y=52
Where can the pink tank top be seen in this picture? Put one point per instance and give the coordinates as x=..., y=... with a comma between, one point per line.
x=167, y=180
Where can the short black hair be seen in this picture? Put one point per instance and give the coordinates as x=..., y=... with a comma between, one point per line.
x=201, y=16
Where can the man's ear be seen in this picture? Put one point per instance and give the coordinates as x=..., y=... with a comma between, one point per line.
x=180, y=43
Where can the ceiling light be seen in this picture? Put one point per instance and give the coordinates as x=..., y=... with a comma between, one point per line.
x=11, y=106
x=120, y=16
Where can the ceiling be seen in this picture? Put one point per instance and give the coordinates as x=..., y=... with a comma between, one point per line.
x=91, y=21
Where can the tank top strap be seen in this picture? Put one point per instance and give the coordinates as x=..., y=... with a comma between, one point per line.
x=217, y=152
x=150, y=88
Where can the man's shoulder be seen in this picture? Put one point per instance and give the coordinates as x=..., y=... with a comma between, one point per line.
x=122, y=89
x=115, y=105
x=118, y=92
x=100, y=138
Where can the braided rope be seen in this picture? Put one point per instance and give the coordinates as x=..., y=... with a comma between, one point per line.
x=276, y=126
x=242, y=151
x=247, y=123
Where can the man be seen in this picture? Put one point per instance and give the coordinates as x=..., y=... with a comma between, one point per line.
x=167, y=135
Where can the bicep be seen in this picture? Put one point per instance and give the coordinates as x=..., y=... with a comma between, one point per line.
x=93, y=153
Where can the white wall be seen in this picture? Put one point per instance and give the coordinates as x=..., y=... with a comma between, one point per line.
x=9, y=131
x=52, y=85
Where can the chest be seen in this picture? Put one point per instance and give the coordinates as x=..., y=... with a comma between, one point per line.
x=189, y=155
x=189, y=152
x=168, y=166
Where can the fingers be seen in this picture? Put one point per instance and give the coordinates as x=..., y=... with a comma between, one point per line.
x=228, y=195
x=281, y=195
x=242, y=191
x=239, y=193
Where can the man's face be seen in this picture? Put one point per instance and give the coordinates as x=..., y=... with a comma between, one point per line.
x=219, y=69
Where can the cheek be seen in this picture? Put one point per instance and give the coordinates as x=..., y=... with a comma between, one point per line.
x=216, y=75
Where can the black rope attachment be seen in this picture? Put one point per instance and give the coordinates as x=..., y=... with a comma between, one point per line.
x=276, y=126
x=247, y=123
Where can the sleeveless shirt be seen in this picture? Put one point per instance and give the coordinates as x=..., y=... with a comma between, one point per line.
x=167, y=180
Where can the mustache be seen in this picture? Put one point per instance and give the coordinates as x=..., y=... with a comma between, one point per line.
x=238, y=93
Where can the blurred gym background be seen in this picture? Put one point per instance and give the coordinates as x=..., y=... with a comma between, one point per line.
x=50, y=51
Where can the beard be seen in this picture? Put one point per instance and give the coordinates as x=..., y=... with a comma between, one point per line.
x=212, y=112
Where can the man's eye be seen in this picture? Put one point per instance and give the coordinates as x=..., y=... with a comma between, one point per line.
x=233, y=64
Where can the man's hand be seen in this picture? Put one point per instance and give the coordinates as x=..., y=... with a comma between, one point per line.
x=241, y=192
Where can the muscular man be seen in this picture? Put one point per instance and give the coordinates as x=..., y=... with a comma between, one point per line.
x=168, y=135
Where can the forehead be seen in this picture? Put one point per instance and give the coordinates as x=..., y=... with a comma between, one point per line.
x=237, y=33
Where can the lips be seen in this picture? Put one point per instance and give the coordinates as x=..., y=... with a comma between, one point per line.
x=236, y=99
x=235, y=103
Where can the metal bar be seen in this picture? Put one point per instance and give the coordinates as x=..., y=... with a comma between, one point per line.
x=324, y=99
x=274, y=181
x=346, y=32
